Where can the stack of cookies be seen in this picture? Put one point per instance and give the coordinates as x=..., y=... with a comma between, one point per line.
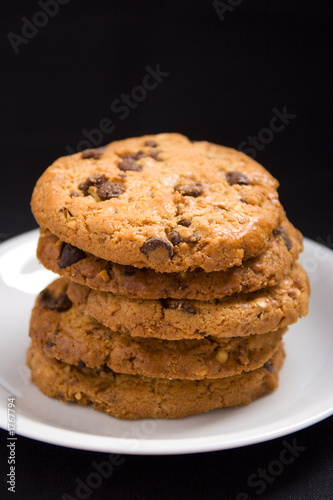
x=179, y=278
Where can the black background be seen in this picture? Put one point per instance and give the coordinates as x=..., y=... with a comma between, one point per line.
x=226, y=75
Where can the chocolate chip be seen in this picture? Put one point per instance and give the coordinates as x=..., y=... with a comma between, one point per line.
x=91, y=153
x=190, y=189
x=269, y=367
x=280, y=231
x=180, y=305
x=236, y=178
x=176, y=238
x=184, y=222
x=109, y=190
x=59, y=303
x=84, y=186
x=81, y=364
x=129, y=271
x=154, y=155
x=96, y=179
x=70, y=255
x=151, y=144
x=73, y=193
x=134, y=156
x=154, y=244
x=129, y=164
x=49, y=345
x=93, y=180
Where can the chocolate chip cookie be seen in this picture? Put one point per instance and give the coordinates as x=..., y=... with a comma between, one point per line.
x=62, y=332
x=258, y=272
x=160, y=202
x=173, y=319
x=135, y=397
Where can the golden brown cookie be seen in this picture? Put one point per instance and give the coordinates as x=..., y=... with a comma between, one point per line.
x=62, y=332
x=135, y=397
x=161, y=202
x=238, y=315
x=258, y=272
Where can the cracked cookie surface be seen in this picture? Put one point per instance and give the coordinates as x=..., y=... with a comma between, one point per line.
x=161, y=202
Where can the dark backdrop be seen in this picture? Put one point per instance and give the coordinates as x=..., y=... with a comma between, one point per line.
x=224, y=71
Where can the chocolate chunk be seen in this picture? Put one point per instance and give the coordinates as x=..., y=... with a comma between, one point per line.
x=49, y=345
x=157, y=244
x=176, y=238
x=109, y=190
x=269, y=367
x=96, y=179
x=84, y=186
x=129, y=271
x=129, y=164
x=184, y=222
x=154, y=155
x=190, y=189
x=180, y=305
x=280, y=231
x=70, y=255
x=92, y=153
x=134, y=156
x=151, y=144
x=237, y=178
x=93, y=180
x=128, y=161
x=60, y=303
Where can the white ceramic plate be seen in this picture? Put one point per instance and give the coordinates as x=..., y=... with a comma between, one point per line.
x=304, y=397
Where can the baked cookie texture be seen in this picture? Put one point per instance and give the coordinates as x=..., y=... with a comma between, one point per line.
x=179, y=278
x=61, y=331
x=136, y=397
x=262, y=271
x=161, y=202
x=238, y=315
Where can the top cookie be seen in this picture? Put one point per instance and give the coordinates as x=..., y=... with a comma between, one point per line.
x=161, y=202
